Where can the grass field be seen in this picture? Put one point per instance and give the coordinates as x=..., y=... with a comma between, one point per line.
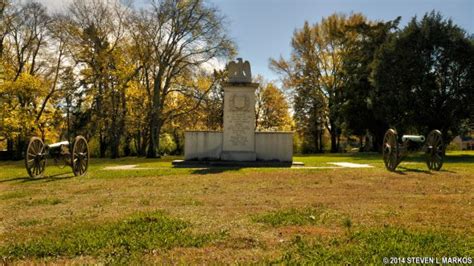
x=161, y=214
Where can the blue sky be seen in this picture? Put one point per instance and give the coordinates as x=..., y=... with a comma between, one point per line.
x=263, y=29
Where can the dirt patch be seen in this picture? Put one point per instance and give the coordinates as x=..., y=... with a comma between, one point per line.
x=121, y=167
x=336, y=165
x=351, y=165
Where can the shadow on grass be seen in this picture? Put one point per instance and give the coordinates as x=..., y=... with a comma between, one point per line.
x=50, y=178
x=415, y=170
x=462, y=158
x=214, y=170
x=412, y=157
x=405, y=170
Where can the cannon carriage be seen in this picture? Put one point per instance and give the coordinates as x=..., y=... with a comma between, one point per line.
x=394, y=152
x=75, y=154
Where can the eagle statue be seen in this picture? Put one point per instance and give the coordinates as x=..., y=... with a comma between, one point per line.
x=239, y=71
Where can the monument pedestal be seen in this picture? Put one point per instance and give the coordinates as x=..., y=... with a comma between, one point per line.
x=239, y=122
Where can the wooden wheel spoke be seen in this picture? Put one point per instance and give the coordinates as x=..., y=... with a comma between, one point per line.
x=80, y=156
x=34, y=147
x=35, y=159
x=38, y=147
x=390, y=149
x=435, y=155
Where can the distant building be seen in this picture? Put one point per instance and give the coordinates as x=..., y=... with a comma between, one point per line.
x=464, y=143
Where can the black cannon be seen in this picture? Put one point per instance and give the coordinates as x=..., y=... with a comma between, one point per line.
x=63, y=153
x=432, y=146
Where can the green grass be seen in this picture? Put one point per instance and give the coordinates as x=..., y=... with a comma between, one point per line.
x=370, y=246
x=237, y=215
x=14, y=195
x=29, y=222
x=131, y=237
x=15, y=171
x=43, y=201
x=305, y=216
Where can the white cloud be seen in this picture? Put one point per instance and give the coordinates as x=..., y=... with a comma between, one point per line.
x=55, y=5
x=213, y=64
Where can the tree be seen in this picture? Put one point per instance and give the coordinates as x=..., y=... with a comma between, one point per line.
x=212, y=106
x=315, y=72
x=424, y=78
x=271, y=109
x=95, y=33
x=173, y=39
x=32, y=56
x=363, y=40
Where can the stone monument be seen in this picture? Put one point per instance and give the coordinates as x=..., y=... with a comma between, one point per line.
x=239, y=113
x=238, y=142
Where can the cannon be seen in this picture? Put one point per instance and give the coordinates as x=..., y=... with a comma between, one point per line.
x=63, y=153
x=394, y=152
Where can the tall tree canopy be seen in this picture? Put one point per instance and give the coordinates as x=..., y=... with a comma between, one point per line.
x=424, y=78
x=364, y=41
x=31, y=57
x=173, y=39
x=271, y=110
x=315, y=72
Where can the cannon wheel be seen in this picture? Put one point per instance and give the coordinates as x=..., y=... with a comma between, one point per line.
x=390, y=149
x=35, y=157
x=62, y=160
x=80, y=156
x=434, y=150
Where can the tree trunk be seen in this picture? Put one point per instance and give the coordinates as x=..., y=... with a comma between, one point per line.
x=315, y=140
x=143, y=142
x=334, y=132
x=154, y=125
x=321, y=144
x=154, y=138
x=10, y=149
x=118, y=122
x=114, y=148
x=333, y=142
x=102, y=145
x=140, y=144
x=338, y=145
x=378, y=132
x=127, y=151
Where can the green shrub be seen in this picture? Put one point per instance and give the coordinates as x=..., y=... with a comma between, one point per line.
x=167, y=144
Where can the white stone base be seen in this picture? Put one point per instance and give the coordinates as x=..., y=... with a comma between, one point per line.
x=274, y=146
x=269, y=146
x=202, y=145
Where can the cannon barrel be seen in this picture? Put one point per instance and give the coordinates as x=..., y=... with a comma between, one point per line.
x=58, y=147
x=58, y=144
x=414, y=138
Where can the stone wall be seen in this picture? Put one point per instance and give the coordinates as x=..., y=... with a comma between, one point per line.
x=269, y=146
x=202, y=145
x=274, y=146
